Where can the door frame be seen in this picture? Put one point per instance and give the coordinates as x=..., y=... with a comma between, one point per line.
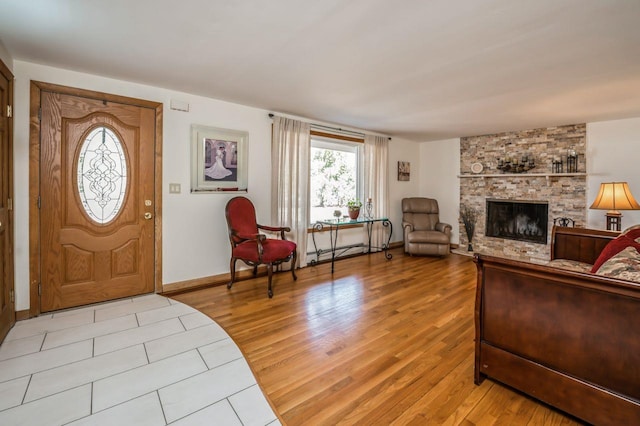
x=37, y=87
x=10, y=249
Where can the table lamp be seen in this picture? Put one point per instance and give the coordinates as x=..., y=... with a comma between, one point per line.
x=615, y=196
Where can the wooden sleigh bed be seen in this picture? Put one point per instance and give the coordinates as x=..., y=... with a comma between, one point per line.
x=568, y=338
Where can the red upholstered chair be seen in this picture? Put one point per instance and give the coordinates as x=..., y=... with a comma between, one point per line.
x=253, y=248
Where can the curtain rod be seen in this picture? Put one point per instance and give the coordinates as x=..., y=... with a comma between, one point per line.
x=271, y=115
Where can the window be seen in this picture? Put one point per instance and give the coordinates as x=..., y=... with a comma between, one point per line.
x=335, y=176
x=102, y=175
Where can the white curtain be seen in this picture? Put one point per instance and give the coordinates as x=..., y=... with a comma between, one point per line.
x=376, y=183
x=290, y=179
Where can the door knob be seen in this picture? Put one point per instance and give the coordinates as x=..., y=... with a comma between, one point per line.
x=148, y=215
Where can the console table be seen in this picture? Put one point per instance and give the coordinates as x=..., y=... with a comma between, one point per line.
x=335, y=224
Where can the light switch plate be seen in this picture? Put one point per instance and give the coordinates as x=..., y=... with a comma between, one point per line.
x=174, y=188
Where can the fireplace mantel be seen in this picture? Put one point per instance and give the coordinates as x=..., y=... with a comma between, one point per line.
x=548, y=176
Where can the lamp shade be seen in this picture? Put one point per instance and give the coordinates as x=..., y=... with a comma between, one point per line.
x=615, y=196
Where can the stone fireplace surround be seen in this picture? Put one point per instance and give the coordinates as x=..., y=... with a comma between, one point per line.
x=565, y=193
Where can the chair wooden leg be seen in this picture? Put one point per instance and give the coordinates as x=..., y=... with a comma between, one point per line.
x=270, y=272
x=255, y=270
x=232, y=267
x=293, y=264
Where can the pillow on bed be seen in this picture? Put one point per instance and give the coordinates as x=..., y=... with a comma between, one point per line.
x=633, y=233
x=612, y=248
x=571, y=265
x=625, y=265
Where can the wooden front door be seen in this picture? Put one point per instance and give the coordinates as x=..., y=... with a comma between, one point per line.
x=97, y=199
x=7, y=309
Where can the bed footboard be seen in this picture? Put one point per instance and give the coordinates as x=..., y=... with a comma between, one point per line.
x=569, y=339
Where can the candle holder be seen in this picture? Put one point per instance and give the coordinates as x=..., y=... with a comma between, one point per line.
x=368, y=209
x=513, y=165
x=557, y=166
x=572, y=161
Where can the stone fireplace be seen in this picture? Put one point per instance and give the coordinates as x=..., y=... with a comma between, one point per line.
x=562, y=194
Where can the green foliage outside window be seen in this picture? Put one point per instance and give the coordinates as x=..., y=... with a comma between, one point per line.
x=333, y=177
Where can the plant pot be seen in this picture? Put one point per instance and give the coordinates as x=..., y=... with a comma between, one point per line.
x=354, y=213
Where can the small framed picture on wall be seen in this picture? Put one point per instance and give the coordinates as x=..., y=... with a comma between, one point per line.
x=404, y=170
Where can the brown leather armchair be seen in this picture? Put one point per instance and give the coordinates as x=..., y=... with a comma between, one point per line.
x=424, y=234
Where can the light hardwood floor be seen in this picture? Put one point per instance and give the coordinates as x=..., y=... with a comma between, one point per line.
x=378, y=343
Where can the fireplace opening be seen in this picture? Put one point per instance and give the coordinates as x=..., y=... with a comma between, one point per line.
x=517, y=220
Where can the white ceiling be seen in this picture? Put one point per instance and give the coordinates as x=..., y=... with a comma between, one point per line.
x=418, y=69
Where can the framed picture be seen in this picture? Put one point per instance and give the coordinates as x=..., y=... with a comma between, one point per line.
x=404, y=170
x=218, y=159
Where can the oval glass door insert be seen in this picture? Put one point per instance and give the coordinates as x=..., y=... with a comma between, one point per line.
x=102, y=175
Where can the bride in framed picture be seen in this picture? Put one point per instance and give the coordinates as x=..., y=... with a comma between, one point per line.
x=217, y=170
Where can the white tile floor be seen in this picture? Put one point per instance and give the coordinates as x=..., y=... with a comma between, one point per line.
x=147, y=360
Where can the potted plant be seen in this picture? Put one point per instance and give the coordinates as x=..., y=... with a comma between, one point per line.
x=469, y=217
x=353, y=206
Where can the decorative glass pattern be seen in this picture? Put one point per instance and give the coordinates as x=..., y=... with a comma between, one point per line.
x=102, y=175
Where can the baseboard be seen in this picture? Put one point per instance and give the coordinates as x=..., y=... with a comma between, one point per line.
x=400, y=244
x=396, y=244
x=22, y=315
x=245, y=274
x=211, y=281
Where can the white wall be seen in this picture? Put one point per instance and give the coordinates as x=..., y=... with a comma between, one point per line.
x=194, y=233
x=402, y=150
x=613, y=155
x=439, y=168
